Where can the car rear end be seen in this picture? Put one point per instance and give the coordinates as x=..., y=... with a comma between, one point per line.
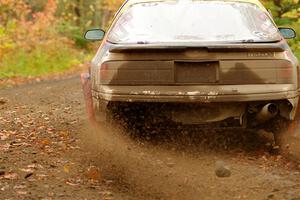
x=194, y=77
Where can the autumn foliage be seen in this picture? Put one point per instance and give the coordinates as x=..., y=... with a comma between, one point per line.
x=109, y=7
x=30, y=43
x=287, y=14
x=45, y=36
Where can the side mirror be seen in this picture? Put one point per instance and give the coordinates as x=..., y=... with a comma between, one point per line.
x=288, y=33
x=94, y=35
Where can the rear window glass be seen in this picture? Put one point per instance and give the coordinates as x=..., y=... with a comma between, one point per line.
x=193, y=21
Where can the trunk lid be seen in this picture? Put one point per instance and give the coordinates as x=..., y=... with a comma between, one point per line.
x=213, y=65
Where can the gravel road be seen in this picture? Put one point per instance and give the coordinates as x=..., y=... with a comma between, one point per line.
x=48, y=151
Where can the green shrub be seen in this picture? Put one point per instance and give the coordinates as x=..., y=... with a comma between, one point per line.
x=287, y=14
x=39, y=61
x=31, y=44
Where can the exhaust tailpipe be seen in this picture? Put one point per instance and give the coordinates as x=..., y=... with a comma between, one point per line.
x=268, y=112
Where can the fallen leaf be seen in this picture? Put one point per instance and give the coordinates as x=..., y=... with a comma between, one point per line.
x=44, y=143
x=19, y=192
x=26, y=170
x=64, y=134
x=18, y=187
x=66, y=169
x=41, y=176
x=11, y=176
x=32, y=166
x=71, y=184
x=93, y=173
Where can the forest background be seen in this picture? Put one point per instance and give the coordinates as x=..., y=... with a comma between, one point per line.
x=42, y=37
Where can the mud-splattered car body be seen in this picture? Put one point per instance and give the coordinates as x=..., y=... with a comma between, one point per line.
x=221, y=76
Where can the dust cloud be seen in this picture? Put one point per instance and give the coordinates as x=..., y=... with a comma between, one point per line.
x=290, y=142
x=175, y=164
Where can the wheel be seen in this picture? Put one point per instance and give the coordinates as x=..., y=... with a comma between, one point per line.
x=282, y=130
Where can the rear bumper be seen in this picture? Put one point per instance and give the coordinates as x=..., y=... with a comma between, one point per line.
x=205, y=94
x=285, y=95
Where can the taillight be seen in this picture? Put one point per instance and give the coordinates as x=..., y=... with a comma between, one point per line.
x=285, y=72
x=104, y=71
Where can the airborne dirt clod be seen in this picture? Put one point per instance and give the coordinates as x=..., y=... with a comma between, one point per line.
x=48, y=151
x=222, y=170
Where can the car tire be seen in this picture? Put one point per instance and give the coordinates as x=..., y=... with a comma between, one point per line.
x=282, y=130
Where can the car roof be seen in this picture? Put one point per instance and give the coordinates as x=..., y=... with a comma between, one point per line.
x=256, y=2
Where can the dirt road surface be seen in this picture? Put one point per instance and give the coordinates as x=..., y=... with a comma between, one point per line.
x=48, y=151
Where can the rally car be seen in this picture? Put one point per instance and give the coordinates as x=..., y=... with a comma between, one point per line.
x=194, y=63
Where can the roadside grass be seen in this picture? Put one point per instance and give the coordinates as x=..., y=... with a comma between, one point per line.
x=40, y=61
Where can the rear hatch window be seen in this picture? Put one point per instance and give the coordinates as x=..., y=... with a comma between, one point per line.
x=193, y=21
